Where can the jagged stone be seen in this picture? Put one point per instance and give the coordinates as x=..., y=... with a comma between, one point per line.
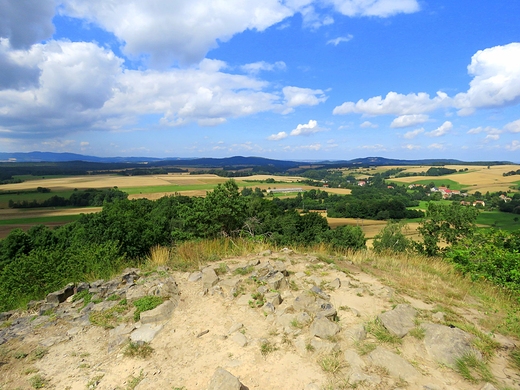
x=165, y=289
x=356, y=333
x=326, y=309
x=224, y=380
x=280, y=267
x=235, y=327
x=61, y=295
x=239, y=339
x=145, y=333
x=395, y=364
x=357, y=376
x=104, y=305
x=446, y=345
x=162, y=312
x=335, y=284
x=277, y=281
x=353, y=359
x=324, y=346
x=268, y=308
x=209, y=278
x=400, y=320
x=136, y=292
x=195, y=276
x=274, y=298
x=130, y=275
x=304, y=301
x=323, y=328
x=81, y=287
x=46, y=307
x=320, y=293
x=6, y=315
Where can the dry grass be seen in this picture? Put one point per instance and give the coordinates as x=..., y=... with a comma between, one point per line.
x=159, y=256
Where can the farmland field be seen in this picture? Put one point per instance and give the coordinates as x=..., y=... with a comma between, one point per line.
x=476, y=178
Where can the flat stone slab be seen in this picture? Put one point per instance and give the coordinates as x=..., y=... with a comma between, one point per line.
x=446, y=345
x=146, y=333
x=395, y=364
x=323, y=328
x=162, y=312
x=224, y=380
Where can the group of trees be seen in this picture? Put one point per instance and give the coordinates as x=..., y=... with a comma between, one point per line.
x=86, y=198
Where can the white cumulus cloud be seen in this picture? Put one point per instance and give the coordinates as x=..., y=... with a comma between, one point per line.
x=257, y=67
x=380, y=8
x=395, y=104
x=409, y=120
x=414, y=133
x=513, y=127
x=441, y=130
x=296, y=96
x=278, y=136
x=515, y=145
x=496, y=79
x=368, y=124
x=306, y=129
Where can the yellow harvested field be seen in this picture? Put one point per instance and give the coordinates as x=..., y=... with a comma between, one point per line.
x=6, y=214
x=476, y=178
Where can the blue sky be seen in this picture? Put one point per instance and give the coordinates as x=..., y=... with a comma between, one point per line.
x=284, y=79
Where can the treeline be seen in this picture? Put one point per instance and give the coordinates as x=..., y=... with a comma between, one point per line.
x=41, y=260
x=149, y=171
x=511, y=173
x=86, y=198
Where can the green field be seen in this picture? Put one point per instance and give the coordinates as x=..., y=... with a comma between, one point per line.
x=499, y=220
x=167, y=188
x=40, y=220
x=439, y=182
x=29, y=197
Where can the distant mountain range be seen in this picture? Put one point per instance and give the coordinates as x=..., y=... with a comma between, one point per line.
x=236, y=161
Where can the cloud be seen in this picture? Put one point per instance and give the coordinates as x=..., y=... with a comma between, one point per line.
x=496, y=79
x=436, y=146
x=395, y=104
x=368, y=124
x=277, y=137
x=441, y=130
x=15, y=72
x=414, y=133
x=176, y=31
x=412, y=147
x=491, y=131
x=82, y=86
x=24, y=23
x=409, y=120
x=492, y=137
x=257, y=67
x=338, y=40
x=513, y=127
x=515, y=145
x=379, y=8
x=306, y=129
x=295, y=96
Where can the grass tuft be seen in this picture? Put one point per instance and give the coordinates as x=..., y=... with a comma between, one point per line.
x=473, y=369
x=140, y=350
x=145, y=304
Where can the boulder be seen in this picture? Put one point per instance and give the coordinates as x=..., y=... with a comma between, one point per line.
x=400, y=320
x=395, y=364
x=445, y=345
x=224, y=380
x=209, y=278
x=61, y=295
x=323, y=328
x=162, y=312
x=145, y=333
x=276, y=281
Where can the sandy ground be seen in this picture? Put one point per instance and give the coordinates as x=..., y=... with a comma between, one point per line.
x=84, y=358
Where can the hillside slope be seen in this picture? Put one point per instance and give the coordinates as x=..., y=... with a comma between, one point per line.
x=273, y=320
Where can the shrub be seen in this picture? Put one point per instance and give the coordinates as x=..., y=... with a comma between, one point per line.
x=391, y=239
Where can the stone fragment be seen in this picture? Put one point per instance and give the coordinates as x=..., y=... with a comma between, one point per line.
x=335, y=284
x=445, y=345
x=235, y=327
x=277, y=281
x=61, y=295
x=265, y=253
x=400, y=320
x=195, y=276
x=304, y=301
x=209, y=278
x=357, y=376
x=324, y=347
x=353, y=359
x=46, y=307
x=145, y=333
x=323, y=328
x=395, y=364
x=162, y=312
x=488, y=386
x=239, y=339
x=274, y=298
x=356, y=333
x=166, y=289
x=224, y=380
x=320, y=293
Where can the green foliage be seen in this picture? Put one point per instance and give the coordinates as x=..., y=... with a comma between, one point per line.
x=391, y=239
x=489, y=254
x=445, y=225
x=473, y=369
x=345, y=237
x=140, y=350
x=146, y=303
x=38, y=381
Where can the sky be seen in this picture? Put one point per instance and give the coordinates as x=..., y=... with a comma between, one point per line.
x=283, y=79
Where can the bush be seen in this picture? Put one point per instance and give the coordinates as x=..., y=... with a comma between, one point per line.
x=391, y=239
x=145, y=304
x=345, y=237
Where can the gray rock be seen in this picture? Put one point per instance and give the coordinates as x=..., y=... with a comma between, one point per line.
x=243, y=300
x=47, y=307
x=281, y=267
x=357, y=376
x=195, y=276
x=130, y=275
x=400, y=320
x=235, y=327
x=335, y=284
x=81, y=287
x=320, y=293
x=239, y=339
x=268, y=308
x=6, y=315
x=323, y=328
x=145, y=333
x=446, y=345
x=326, y=309
x=162, y=312
x=224, y=380
x=356, y=333
x=105, y=305
x=61, y=295
x=277, y=281
x=353, y=359
x=274, y=298
x=488, y=386
x=304, y=301
x=166, y=289
x=265, y=253
x=395, y=364
x=324, y=346
x=209, y=278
